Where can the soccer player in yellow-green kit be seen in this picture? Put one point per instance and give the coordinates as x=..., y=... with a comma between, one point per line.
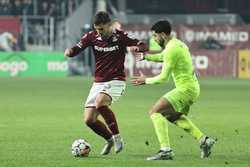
x=174, y=105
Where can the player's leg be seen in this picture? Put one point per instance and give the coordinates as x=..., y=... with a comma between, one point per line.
x=91, y=115
x=187, y=125
x=102, y=104
x=99, y=128
x=157, y=114
x=181, y=103
x=90, y=118
x=111, y=92
x=206, y=143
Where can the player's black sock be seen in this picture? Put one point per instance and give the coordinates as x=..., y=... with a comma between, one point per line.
x=109, y=118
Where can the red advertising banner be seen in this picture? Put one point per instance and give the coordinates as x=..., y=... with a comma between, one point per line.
x=236, y=37
x=215, y=63
x=10, y=24
x=206, y=63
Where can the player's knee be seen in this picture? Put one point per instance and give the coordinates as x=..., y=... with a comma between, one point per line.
x=173, y=117
x=102, y=100
x=152, y=111
x=100, y=103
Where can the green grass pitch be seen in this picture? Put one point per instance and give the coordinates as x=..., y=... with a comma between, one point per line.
x=41, y=117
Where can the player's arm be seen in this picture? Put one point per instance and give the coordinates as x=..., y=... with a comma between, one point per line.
x=79, y=47
x=134, y=44
x=157, y=57
x=169, y=60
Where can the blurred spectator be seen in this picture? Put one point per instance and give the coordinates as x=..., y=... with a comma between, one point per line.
x=44, y=7
x=47, y=9
x=5, y=7
x=52, y=9
x=7, y=41
x=17, y=8
x=71, y=6
x=27, y=7
x=43, y=10
x=212, y=43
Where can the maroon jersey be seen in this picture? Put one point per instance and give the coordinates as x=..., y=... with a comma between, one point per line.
x=109, y=54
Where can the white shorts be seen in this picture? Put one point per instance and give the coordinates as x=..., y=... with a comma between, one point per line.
x=114, y=89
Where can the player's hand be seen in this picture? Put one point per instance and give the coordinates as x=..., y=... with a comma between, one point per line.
x=68, y=52
x=138, y=80
x=139, y=56
x=133, y=49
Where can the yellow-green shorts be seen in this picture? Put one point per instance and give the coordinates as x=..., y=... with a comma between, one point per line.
x=182, y=99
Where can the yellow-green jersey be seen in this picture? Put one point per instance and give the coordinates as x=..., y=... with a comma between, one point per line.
x=177, y=62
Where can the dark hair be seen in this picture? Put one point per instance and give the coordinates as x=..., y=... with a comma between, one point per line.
x=101, y=18
x=162, y=26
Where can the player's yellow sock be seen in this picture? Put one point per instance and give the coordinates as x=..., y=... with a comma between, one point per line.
x=161, y=129
x=185, y=123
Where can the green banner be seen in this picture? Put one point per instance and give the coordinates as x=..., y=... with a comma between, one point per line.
x=33, y=64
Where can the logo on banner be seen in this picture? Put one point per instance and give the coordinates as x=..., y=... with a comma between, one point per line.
x=189, y=35
x=226, y=37
x=14, y=64
x=200, y=62
x=13, y=67
x=57, y=66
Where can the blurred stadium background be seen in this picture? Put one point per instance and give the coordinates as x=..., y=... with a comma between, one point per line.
x=217, y=32
x=40, y=106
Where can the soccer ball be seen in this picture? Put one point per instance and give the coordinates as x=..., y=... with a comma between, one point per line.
x=80, y=148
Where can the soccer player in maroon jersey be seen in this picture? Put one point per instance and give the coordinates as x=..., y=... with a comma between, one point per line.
x=109, y=48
